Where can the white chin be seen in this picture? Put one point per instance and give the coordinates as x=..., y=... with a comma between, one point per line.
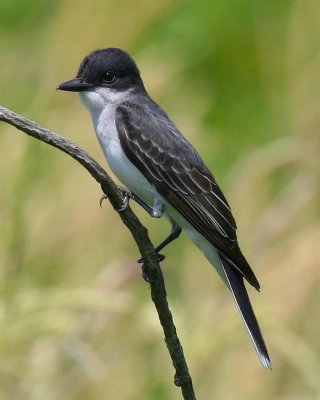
x=92, y=100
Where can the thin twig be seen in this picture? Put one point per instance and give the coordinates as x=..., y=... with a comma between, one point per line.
x=139, y=233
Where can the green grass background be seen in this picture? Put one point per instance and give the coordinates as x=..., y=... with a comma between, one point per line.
x=241, y=80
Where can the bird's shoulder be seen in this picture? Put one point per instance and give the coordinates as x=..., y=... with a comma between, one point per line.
x=152, y=142
x=146, y=124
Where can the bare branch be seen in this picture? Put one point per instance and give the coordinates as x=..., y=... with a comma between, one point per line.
x=140, y=234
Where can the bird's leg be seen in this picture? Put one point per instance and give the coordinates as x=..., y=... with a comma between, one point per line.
x=156, y=211
x=174, y=234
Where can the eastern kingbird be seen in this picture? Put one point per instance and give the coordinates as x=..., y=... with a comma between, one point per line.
x=162, y=170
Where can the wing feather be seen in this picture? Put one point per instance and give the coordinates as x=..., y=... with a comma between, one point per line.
x=169, y=162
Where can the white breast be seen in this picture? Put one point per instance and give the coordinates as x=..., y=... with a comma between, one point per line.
x=103, y=117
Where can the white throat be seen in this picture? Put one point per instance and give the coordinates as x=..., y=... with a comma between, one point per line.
x=99, y=98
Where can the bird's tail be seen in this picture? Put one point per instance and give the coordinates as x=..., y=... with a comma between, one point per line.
x=239, y=292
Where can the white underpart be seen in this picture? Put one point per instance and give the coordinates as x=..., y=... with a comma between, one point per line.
x=102, y=104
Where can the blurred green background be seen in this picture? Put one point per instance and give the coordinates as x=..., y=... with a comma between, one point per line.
x=241, y=80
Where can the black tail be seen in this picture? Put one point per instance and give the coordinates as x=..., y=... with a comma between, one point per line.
x=241, y=297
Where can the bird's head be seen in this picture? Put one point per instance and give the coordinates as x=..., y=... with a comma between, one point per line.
x=105, y=76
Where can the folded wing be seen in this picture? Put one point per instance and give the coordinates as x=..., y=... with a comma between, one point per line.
x=169, y=162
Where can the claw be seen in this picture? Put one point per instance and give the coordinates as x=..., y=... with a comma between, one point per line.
x=161, y=257
x=102, y=198
x=126, y=197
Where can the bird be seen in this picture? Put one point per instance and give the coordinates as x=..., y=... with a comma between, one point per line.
x=163, y=172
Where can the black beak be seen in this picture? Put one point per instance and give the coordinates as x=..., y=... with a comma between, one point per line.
x=75, y=85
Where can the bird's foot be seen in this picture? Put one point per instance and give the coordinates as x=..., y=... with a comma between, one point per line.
x=160, y=257
x=127, y=195
x=181, y=379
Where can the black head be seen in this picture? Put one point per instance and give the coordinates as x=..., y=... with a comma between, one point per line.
x=111, y=68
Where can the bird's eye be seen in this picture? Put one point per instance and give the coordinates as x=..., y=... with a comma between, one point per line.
x=109, y=77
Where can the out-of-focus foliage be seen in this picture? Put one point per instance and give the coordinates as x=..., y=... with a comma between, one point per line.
x=241, y=80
